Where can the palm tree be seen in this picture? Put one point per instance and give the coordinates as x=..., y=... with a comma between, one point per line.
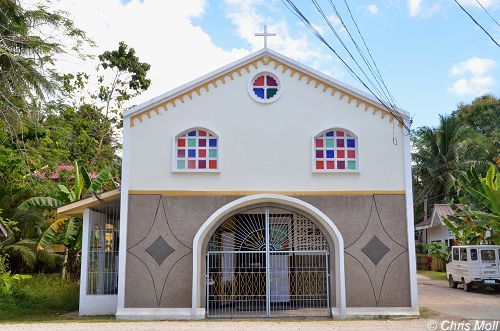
x=67, y=230
x=440, y=156
x=27, y=53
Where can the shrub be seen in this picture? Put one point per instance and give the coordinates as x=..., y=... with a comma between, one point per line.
x=438, y=250
x=37, y=297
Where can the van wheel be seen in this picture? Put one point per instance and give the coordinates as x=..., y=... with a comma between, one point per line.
x=467, y=286
x=451, y=282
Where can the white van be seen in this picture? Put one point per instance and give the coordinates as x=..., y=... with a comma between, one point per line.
x=474, y=265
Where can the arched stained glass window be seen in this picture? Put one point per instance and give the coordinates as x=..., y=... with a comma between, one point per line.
x=196, y=150
x=335, y=150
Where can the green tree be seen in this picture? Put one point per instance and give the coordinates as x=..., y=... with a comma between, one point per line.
x=482, y=116
x=439, y=158
x=67, y=230
x=128, y=78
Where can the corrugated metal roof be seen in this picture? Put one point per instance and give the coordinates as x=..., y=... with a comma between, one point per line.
x=440, y=211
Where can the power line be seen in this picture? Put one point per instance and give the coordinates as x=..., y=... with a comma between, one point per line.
x=320, y=10
x=385, y=93
x=487, y=12
x=476, y=22
x=297, y=12
x=368, y=50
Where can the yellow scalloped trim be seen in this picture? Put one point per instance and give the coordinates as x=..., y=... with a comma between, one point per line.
x=265, y=60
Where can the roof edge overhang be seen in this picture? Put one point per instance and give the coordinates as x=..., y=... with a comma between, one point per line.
x=252, y=57
x=75, y=209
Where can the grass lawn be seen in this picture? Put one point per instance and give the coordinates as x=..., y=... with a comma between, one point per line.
x=436, y=275
x=42, y=297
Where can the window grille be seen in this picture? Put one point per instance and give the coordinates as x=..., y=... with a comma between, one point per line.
x=102, y=267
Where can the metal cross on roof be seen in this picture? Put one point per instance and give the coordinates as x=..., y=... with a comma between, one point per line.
x=265, y=34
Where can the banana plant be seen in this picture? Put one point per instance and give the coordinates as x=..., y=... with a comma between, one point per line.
x=478, y=218
x=68, y=230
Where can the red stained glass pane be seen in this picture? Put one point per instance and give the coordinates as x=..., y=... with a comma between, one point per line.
x=212, y=164
x=271, y=81
x=259, y=81
x=319, y=142
x=319, y=153
x=351, y=154
x=320, y=165
x=340, y=133
x=202, y=133
x=330, y=165
x=340, y=154
x=202, y=153
x=181, y=142
x=192, y=164
x=340, y=142
x=202, y=164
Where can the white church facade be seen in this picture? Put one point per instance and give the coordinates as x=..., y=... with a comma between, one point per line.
x=262, y=189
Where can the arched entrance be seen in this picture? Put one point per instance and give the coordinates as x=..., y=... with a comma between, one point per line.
x=268, y=255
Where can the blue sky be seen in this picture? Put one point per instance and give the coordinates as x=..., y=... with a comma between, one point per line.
x=431, y=55
x=416, y=54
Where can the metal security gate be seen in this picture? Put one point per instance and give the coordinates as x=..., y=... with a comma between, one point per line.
x=267, y=262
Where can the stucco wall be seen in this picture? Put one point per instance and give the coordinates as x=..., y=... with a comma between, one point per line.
x=266, y=147
x=176, y=219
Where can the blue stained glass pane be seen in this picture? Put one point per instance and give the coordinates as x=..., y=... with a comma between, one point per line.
x=329, y=154
x=192, y=133
x=212, y=143
x=351, y=143
x=329, y=134
x=191, y=152
x=259, y=92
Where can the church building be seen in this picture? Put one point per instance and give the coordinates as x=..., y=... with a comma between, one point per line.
x=262, y=189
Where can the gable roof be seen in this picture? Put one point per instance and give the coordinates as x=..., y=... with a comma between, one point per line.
x=170, y=99
x=439, y=213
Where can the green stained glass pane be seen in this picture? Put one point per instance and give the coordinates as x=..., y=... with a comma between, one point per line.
x=271, y=92
x=329, y=143
x=351, y=165
x=191, y=142
x=212, y=153
x=181, y=164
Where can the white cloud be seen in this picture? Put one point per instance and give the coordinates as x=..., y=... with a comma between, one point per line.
x=163, y=35
x=371, y=9
x=476, y=80
x=418, y=9
x=161, y=32
x=247, y=16
x=475, y=66
x=485, y=3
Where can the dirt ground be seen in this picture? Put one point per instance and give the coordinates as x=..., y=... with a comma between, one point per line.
x=445, y=304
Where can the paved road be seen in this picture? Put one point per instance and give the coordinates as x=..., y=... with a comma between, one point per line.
x=477, y=304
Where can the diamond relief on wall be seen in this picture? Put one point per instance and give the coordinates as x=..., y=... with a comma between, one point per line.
x=159, y=250
x=375, y=250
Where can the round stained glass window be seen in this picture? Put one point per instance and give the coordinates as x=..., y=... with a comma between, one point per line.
x=265, y=87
